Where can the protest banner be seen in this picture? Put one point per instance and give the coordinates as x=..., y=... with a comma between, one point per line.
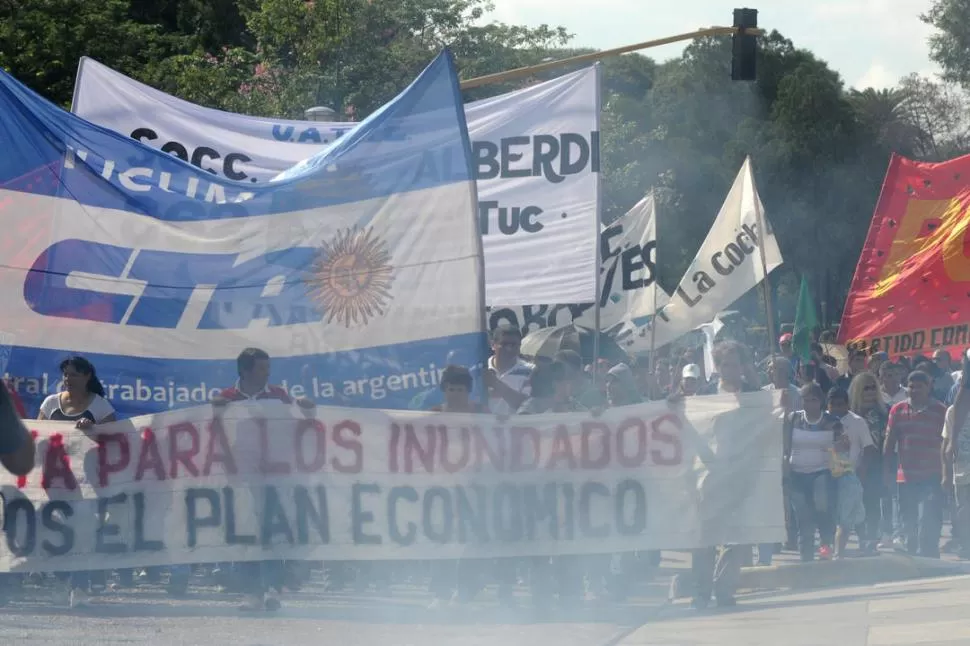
x=727, y=265
x=535, y=154
x=266, y=480
x=909, y=292
x=163, y=273
x=628, y=279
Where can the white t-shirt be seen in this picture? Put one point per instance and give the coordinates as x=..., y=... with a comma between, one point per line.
x=961, y=462
x=97, y=410
x=516, y=378
x=857, y=430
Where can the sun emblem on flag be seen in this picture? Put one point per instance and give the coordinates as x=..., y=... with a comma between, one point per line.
x=351, y=278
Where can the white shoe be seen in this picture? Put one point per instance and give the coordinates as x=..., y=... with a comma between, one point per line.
x=271, y=600
x=253, y=603
x=79, y=598
x=899, y=544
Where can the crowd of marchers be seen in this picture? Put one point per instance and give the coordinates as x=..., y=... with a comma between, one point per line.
x=875, y=451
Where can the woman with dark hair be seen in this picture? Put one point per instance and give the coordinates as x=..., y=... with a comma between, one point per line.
x=81, y=401
x=810, y=435
x=82, y=398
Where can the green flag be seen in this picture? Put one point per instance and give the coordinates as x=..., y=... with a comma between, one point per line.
x=805, y=323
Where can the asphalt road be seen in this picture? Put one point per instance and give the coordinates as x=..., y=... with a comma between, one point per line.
x=399, y=616
x=928, y=612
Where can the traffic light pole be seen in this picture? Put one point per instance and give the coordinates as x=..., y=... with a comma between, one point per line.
x=606, y=53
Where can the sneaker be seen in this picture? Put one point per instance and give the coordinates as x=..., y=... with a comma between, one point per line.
x=253, y=603
x=899, y=544
x=886, y=542
x=699, y=603
x=825, y=553
x=726, y=602
x=272, y=600
x=78, y=599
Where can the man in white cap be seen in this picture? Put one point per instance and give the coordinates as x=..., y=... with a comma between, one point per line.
x=690, y=379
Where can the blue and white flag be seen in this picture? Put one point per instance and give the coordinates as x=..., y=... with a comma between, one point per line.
x=161, y=273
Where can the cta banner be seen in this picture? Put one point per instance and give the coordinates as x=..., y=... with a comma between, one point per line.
x=535, y=156
x=256, y=481
x=728, y=264
x=161, y=273
x=910, y=290
x=628, y=279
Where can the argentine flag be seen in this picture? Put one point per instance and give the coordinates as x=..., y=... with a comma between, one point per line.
x=359, y=271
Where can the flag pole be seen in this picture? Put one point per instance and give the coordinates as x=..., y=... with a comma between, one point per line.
x=760, y=218
x=652, y=363
x=598, y=284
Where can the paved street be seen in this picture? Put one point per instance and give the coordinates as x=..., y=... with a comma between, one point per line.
x=923, y=612
x=396, y=617
x=930, y=612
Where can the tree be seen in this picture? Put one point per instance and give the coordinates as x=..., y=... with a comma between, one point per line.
x=41, y=41
x=940, y=111
x=885, y=115
x=950, y=45
x=353, y=55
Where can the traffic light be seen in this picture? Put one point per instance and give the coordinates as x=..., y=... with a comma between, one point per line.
x=744, y=52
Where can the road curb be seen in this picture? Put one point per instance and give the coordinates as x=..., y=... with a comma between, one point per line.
x=884, y=568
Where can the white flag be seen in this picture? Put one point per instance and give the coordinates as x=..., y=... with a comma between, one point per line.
x=710, y=331
x=628, y=279
x=727, y=265
x=641, y=295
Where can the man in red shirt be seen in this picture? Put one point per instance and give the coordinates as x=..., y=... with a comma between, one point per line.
x=263, y=579
x=253, y=383
x=914, y=432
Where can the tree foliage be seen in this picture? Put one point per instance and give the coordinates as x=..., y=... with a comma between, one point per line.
x=681, y=128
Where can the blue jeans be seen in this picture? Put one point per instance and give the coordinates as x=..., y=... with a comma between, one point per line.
x=921, y=510
x=814, y=497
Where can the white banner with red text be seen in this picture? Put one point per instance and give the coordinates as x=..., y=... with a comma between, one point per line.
x=260, y=481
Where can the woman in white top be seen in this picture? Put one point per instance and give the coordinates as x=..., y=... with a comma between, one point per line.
x=82, y=399
x=810, y=437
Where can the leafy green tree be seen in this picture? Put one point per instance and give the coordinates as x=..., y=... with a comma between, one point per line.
x=41, y=41
x=940, y=112
x=950, y=44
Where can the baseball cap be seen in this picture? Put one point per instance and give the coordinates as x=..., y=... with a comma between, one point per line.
x=784, y=338
x=691, y=371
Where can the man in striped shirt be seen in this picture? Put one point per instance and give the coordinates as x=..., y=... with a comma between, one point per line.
x=913, y=433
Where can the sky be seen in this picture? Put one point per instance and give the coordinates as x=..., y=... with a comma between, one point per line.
x=872, y=43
